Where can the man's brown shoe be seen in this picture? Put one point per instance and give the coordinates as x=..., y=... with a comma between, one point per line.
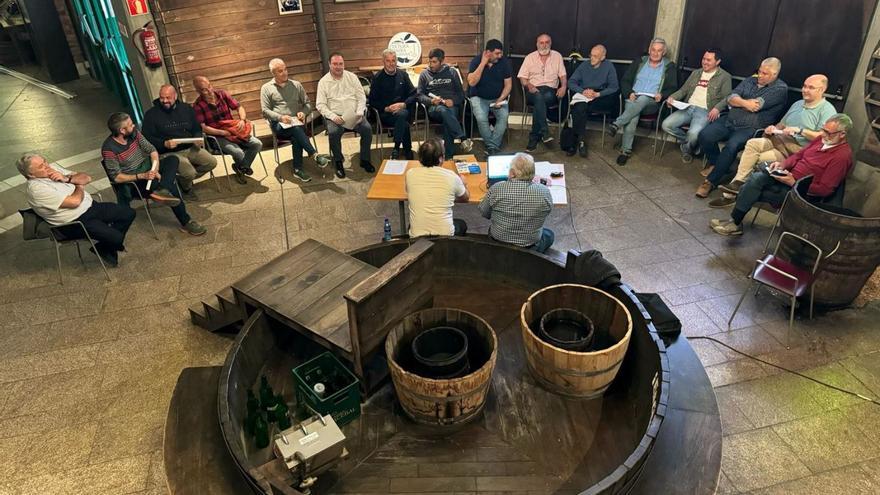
x=733, y=187
x=722, y=202
x=164, y=197
x=704, y=189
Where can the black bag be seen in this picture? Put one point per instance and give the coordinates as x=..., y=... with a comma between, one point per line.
x=568, y=139
x=665, y=321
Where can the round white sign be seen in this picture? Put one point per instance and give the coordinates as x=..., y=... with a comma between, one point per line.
x=407, y=47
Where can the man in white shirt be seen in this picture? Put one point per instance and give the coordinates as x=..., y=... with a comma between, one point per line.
x=58, y=197
x=343, y=103
x=431, y=191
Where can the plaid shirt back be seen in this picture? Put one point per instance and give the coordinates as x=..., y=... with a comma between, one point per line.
x=211, y=115
x=517, y=209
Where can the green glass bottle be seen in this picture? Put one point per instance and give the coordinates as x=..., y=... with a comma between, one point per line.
x=267, y=398
x=281, y=413
x=253, y=408
x=261, y=431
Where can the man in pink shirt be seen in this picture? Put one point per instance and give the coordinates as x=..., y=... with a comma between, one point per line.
x=543, y=75
x=828, y=158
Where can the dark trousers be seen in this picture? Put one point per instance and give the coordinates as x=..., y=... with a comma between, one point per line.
x=168, y=170
x=401, y=124
x=106, y=223
x=712, y=135
x=334, y=135
x=580, y=112
x=298, y=140
x=542, y=100
x=760, y=186
x=451, y=126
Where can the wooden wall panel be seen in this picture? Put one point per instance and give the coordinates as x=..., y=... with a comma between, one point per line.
x=231, y=42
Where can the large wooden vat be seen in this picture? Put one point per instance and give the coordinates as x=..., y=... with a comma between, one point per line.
x=577, y=374
x=445, y=401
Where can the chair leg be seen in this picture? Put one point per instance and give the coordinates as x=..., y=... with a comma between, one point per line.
x=79, y=253
x=811, y=302
x=226, y=168
x=604, y=120
x=150, y=219
x=790, y=323
x=214, y=180
x=730, y=321
x=755, y=217
x=263, y=162
x=95, y=249
x=58, y=259
x=663, y=147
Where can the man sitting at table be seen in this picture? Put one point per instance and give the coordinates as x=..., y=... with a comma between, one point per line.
x=518, y=207
x=431, y=191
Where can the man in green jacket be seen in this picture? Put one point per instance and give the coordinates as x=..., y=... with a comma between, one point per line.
x=705, y=93
x=646, y=83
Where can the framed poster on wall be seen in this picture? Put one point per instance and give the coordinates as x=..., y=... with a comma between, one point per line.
x=290, y=7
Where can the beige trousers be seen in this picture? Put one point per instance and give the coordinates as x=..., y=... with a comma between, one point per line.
x=195, y=162
x=759, y=150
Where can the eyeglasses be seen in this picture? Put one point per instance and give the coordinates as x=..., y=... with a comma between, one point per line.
x=829, y=133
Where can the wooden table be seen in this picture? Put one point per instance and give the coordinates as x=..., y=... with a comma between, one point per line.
x=393, y=187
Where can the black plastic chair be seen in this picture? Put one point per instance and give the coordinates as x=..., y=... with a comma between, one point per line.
x=35, y=228
x=212, y=144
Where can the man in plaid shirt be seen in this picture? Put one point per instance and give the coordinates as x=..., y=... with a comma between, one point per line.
x=213, y=106
x=518, y=207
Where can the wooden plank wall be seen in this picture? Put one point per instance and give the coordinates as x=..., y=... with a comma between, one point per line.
x=231, y=42
x=360, y=31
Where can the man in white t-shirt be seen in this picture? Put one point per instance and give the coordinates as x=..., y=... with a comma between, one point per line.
x=58, y=196
x=431, y=191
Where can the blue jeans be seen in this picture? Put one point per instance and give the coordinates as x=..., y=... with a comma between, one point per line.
x=335, y=132
x=546, y=240
x=243, y=154
x=451, y=126
x=760, y=186
x=714, y=133
x=629, y=119
x=694, y=117
x=480, y=108
x=298, y=139
x=542, y=100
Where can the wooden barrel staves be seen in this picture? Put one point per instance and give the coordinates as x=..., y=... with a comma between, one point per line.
x=443, y=401
x=576, y=374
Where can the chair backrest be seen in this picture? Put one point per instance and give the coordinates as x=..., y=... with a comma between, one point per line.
x=33, y=226
x=795, y=255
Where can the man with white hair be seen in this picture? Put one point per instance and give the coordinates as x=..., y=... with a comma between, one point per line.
x=393, y=95
x=285, y=104
x=518, y=207
x=543, y=75
x=644, y=85
x=827, y=158
x=755, y=103
x=58, y=196
x=596, y=80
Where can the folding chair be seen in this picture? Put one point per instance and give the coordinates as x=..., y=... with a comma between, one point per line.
x=35, y=228
x=121, y=187
x=212, y=144
x=526, y=110
x=569, y=120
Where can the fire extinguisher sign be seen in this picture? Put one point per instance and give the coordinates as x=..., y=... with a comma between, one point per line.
x=137, y=7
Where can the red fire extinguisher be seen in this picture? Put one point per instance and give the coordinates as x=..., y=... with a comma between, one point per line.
x=150, y=50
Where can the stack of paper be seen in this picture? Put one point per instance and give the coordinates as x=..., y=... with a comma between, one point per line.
x=395, y=167
x=580, y=98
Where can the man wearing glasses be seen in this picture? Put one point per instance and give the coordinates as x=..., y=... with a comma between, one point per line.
x=828, y=158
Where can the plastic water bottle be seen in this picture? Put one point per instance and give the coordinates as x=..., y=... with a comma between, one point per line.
x=387, y=231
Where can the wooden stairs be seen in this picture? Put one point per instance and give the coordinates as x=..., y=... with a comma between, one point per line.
x=221, y=312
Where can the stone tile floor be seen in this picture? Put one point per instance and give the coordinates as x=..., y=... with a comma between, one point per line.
x=87, y=368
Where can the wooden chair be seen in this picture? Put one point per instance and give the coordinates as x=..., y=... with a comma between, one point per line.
x=35, y=228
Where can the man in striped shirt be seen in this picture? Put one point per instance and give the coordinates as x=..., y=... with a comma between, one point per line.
x=128, y=157
x=518, y=207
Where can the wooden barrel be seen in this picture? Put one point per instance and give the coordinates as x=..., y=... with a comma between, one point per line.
x=841, y=276
x=445, y=401
x=576, y=374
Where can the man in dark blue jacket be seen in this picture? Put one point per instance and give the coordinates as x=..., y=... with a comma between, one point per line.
x=392, y=94
x=441, y=92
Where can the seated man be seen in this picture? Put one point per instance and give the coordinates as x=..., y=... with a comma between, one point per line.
x=440, y=91
x=392, y=94
x=645, y=84
x=431, y=191
x=57, y=195
x=705, y=92
x=800, y=125
x=518, y=207
x=596, y=81
x=490, y=79
x=129, y=158
x=284, y=103
x=170, y=119
x=213, y=110
x=543, y=75
x=754, y=104
x=343, y=103
x=827, y=158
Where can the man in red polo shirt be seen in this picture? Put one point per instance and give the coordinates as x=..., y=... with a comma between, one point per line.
x=214, y=111
x=828, y=158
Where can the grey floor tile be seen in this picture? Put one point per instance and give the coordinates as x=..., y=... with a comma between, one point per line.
x=843, y=481
x=758, y=459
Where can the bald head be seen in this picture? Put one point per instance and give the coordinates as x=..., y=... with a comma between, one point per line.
x=203, y=87
x=167, y=96
x=597, y=55
x=814, y=88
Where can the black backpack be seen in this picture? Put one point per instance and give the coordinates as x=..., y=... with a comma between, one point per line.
x=568, y=139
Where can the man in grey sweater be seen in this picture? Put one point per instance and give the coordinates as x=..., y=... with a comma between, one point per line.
x=441, y=92
x=705, y=92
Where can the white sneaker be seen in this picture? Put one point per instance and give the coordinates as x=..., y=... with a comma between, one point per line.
x=466, y=145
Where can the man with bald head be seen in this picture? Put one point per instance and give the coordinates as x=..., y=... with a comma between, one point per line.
x=755, y=103
x=213, y=110
x=171, y=119
x=543, y=75
x=596, y=81
x=800, y=125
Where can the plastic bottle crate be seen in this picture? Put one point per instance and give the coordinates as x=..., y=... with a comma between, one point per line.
x=343, y=402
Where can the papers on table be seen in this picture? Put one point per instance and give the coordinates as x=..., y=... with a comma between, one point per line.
x=559, y=195
x=556, y=184
x=580, y=98
x=295, y=122
x=465, y=168
x=680, y=104
x=395, y=167
x=645, y=94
